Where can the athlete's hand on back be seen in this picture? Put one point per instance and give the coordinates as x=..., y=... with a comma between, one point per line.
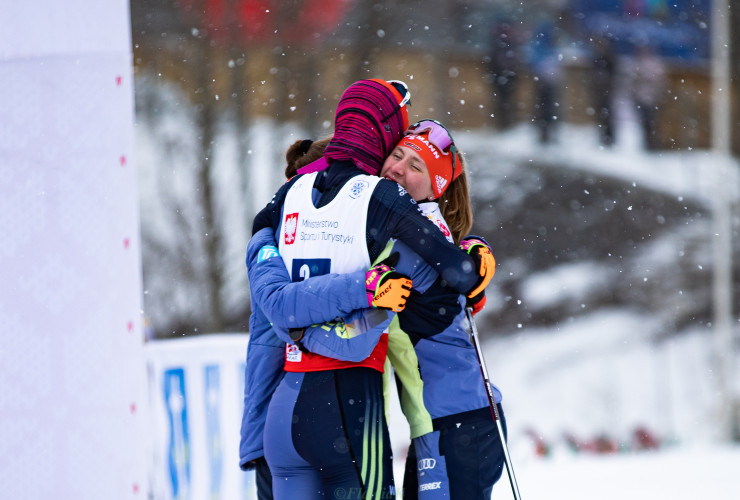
x=387, y=288
x=485, y=265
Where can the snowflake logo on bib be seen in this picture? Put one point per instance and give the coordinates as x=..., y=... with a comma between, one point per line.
x=441, y=183
x=290, y=228
x=357, y=188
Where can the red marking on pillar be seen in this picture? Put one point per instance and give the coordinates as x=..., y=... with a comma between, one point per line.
x=119, y=80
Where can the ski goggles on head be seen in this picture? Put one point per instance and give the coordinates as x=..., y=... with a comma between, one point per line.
x=402, y=89
x=437, y=135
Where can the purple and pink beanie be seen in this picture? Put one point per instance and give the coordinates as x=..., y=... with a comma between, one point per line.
x=369, y=123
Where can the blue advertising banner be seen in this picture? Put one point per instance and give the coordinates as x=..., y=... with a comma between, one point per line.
x=197, y=399
x=179, y=441
x=212, y=398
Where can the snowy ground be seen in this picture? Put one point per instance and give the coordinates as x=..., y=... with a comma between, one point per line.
x=566, y=382
x=601, y=376
x=676, y=474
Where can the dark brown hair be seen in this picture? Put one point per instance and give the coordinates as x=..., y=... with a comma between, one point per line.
x=303, y=152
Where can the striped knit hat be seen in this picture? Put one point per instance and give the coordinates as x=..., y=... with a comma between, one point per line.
x=369, y=123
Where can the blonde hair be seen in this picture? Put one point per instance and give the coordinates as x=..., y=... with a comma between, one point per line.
x=455, y=204
x=303, y=152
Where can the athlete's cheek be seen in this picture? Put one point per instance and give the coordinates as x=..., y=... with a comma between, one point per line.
x=387, y=167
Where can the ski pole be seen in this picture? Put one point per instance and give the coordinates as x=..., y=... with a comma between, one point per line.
x=492, y=403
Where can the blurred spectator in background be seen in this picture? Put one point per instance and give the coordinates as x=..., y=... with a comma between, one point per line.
x=546, y=68
x=643, y=439
x=503, y=74
x=603, y=68
x=648, y=77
